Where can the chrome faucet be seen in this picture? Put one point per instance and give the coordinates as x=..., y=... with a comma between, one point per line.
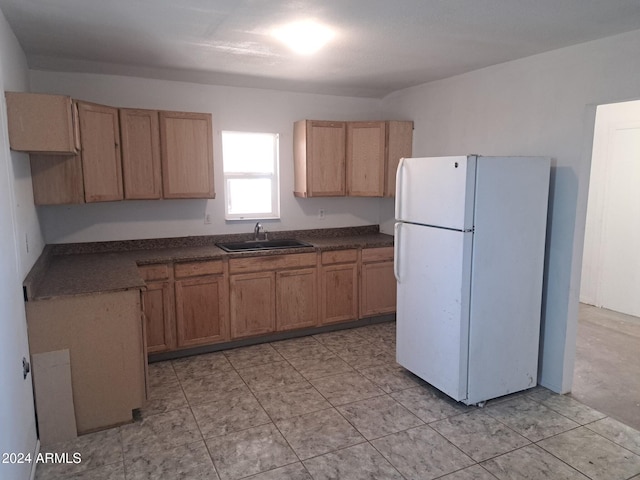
x=256, y=232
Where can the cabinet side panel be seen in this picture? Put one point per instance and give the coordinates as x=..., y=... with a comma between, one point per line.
x=300, y=158
x=399, y=145
x=103, y=334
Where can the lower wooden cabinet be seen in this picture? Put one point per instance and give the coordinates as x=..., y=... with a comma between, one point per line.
x=339, y=286
x=189, y=311
x=201, y=316
x=296, y=299
x=252, y=304
x=158, y=306
x=205, y=302
x=377, y=282
x=273, y=293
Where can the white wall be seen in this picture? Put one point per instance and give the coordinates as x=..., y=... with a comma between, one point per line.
x=232, y=109
x=610, y=274
x=540, y=105
x=17, y=221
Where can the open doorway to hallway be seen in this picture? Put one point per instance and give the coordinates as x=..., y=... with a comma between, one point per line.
x=607, y=372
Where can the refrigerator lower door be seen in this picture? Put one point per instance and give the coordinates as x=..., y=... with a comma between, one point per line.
x=433, y=272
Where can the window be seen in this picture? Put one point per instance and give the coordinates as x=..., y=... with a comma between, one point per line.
x=250, y=163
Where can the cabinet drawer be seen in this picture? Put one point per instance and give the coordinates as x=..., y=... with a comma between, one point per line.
x=154, y=272
x=193, y=269
x=339, y=256
x=272, y=262
x=377, y=254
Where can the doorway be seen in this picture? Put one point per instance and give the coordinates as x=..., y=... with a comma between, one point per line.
x=607, y=366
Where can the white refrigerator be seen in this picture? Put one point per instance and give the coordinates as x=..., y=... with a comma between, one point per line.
x=469, y=258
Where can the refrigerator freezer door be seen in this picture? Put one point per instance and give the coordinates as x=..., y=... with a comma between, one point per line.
x=432, y=266
x=436, y=191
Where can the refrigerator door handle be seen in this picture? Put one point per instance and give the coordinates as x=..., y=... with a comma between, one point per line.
x=396, y=252
x=399, y=188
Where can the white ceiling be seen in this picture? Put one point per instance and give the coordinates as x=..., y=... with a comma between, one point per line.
x=381, y=45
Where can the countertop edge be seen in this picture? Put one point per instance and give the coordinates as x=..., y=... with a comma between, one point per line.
x=42, y=284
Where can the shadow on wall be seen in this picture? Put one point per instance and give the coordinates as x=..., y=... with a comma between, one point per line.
x=550, y=331
x=335, y=212
x=122, y=220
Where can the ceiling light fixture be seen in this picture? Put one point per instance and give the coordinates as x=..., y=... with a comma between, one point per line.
x=304, y=37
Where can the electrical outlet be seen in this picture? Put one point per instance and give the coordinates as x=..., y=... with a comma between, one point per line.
x=321, y=214
x=207, y=218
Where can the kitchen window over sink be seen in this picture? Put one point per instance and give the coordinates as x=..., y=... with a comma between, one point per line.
x=251, y=187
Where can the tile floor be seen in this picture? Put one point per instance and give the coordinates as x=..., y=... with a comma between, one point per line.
x=337, y=406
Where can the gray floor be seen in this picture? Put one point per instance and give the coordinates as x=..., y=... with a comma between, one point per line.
x=337, y=406
x=607, y=368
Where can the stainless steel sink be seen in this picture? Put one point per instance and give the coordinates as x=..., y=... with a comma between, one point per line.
x=253, y=245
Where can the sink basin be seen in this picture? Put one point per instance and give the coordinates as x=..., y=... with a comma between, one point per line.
x=253, y=245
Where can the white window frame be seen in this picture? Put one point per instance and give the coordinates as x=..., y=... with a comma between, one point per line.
x=274, y=213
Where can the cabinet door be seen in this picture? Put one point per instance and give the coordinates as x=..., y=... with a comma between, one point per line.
x=252, y=304
x=339, y=293
x=325, y=162
x=378, y=289
x=159, y=317
x=296, y=299
x=41, y=123
x=365, y=158
x=101, y=165
x=187, y=155
x=399, y=145
x=56, y=179
x=201, y=310
x=141, y=168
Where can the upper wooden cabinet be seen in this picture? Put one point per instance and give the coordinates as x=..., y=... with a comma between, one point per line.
x=399, y=145
x=366, y=159
x=131, y=154
x=187, y=155
x=349, y=158
x=141, y=170
x=56, y=179
x=319, y=158
x=101, y=163
x=40, y=123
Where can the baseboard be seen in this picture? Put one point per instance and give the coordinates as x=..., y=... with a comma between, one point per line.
x=273, y=337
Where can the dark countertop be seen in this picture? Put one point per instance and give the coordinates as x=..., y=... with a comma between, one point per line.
x=78, y=269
